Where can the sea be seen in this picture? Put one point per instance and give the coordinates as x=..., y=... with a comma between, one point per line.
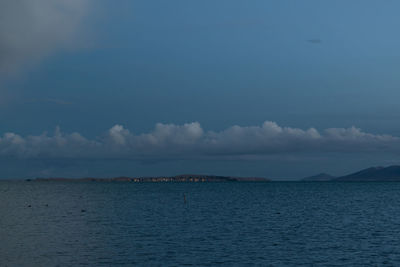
x=199, y=224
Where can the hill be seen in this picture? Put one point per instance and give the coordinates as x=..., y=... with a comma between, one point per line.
x=322, y=177
x=391, y=173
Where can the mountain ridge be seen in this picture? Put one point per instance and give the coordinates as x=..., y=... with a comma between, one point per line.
x=376, y=174
x=390, y=173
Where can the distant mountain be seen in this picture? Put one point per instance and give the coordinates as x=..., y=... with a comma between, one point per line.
x=322, y=177
x=391, y=173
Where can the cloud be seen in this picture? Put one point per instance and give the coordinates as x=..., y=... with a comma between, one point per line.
x=54, y=101
x=314, y=41
x=191, y=141
x=30, y=30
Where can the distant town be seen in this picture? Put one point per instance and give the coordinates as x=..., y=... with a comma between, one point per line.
x=178, y=178
x=390, y=173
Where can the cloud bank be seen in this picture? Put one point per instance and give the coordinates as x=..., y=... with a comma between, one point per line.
x=32, y=29
x=191, y=141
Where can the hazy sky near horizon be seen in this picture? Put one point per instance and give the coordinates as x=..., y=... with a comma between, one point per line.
x=281, y=89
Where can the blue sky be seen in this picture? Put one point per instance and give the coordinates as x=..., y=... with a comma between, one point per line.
x=86, y=66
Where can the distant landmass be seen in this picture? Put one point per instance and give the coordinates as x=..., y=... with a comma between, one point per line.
x=177, y=178
x=319, y=177
x=391, y=173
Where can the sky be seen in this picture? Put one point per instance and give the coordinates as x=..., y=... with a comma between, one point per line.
x=278, y=89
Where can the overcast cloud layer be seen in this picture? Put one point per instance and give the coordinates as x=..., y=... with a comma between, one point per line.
x=30, y=29
x=191, y=141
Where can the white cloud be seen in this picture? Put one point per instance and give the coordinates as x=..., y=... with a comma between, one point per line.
x=118, y=134
x=172, y=135
x=189, y=140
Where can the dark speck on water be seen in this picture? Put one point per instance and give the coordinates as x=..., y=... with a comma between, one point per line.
x=229, y=224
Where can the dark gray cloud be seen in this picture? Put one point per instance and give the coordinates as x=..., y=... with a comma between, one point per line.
x=30, y=30
x=191, y=141
x=54, y=101
x=314, y=41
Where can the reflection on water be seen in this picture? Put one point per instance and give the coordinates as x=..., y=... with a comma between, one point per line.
x=69, y=224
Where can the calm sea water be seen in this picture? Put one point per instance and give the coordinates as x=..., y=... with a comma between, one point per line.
x=231, y=224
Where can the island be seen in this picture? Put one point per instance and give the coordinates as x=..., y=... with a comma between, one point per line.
x=177, y=178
